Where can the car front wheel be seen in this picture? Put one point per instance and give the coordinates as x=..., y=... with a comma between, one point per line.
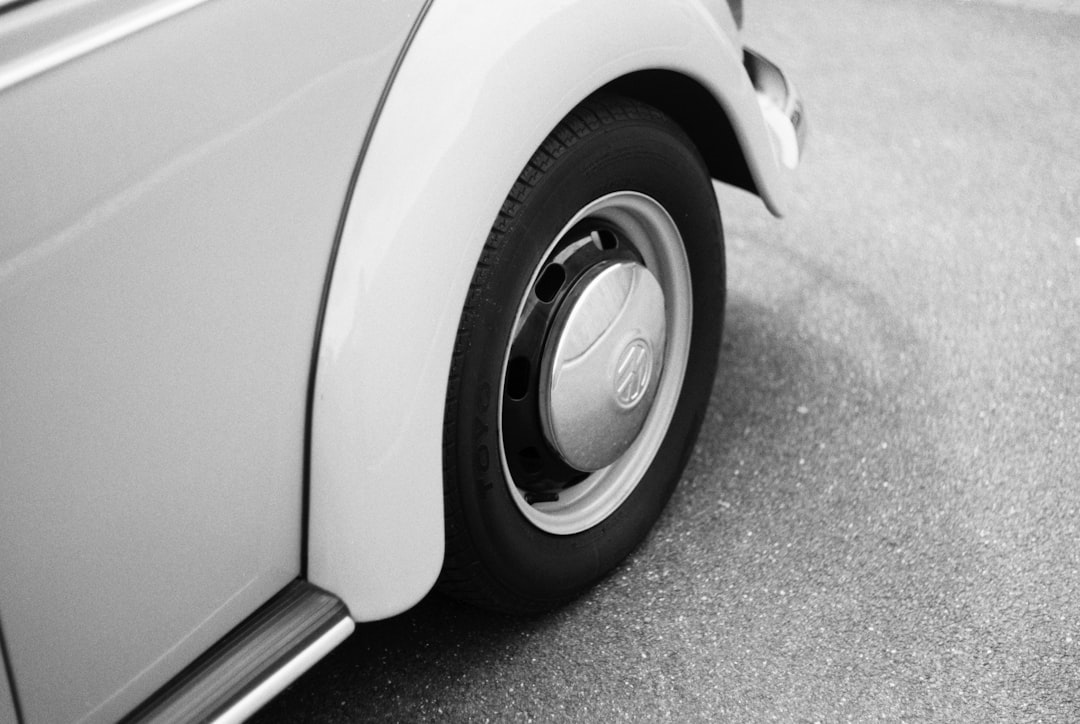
x=584, y=358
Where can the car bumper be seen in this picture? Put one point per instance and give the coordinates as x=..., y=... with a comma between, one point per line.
x=781, y=107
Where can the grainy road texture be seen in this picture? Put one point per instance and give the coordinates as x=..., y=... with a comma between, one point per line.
x=881, y=519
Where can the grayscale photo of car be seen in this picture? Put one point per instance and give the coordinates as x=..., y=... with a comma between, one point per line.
x=310, y=307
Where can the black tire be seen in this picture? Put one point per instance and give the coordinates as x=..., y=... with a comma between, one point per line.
x=501, y=553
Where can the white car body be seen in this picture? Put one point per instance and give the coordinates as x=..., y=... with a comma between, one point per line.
x=185, y=426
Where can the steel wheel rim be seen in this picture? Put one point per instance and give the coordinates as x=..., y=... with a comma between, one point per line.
x=656, y=240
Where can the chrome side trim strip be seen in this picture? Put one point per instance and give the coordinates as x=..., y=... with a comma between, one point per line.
x=86, y=42
x=255, y=662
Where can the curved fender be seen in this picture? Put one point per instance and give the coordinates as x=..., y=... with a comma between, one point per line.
x=482, y=84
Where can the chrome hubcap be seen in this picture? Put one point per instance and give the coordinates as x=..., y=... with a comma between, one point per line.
x=601, y=362
x=595, y=363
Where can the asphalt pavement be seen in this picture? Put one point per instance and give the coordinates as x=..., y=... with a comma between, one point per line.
x=880, y=520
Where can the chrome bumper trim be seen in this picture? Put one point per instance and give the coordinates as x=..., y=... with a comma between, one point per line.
x=781, y=106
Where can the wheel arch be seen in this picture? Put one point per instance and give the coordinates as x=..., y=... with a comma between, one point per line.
x=699, y=113
x=480, y=87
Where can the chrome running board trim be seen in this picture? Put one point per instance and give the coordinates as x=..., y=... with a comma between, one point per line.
x=258, y=659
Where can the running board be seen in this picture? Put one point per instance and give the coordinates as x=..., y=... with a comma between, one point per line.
x=258, y=659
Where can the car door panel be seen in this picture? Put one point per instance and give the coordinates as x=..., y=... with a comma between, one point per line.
x=171, y=192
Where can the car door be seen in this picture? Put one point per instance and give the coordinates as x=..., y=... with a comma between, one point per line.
x=172, y=173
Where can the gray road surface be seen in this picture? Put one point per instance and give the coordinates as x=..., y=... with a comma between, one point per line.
x=880, y=521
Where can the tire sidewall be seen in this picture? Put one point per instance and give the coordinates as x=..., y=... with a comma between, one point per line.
x=650, y=156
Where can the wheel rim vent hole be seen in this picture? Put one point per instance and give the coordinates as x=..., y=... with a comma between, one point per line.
x=607, y=238
x=550, y=282
x=518, y=372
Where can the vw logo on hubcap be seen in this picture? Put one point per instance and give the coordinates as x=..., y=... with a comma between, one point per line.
x=632, y=373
